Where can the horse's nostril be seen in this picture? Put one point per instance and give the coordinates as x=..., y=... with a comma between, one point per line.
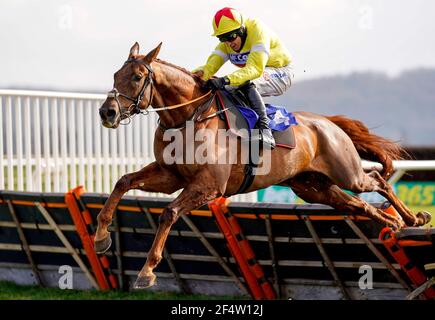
x=102, y=114
x=107, y=114
x=111, y=113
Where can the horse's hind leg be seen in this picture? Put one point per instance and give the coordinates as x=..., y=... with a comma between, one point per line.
x=339, y=161
x=358, y=181
x=385, y=189
x=317, y=188
x=347, y=173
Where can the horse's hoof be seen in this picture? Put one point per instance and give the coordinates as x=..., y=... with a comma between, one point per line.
x=144, y=282
x=395, y=227
x=101, y=246
x=425, y=216
x=400, y=227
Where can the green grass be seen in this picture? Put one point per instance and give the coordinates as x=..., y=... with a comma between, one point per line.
x=12, y=291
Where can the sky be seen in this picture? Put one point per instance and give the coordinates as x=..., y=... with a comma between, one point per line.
x=78, y=45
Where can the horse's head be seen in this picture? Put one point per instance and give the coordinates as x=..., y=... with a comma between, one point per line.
x=132, y=89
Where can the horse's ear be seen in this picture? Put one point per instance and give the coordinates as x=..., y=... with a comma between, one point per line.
x=152, y=55
x=134, y=51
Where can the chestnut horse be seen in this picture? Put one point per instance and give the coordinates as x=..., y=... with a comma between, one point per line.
x=326, y=159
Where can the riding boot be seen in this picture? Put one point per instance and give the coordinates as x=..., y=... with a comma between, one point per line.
x=258, y=106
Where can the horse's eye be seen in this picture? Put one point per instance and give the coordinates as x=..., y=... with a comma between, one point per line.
x=137, y=77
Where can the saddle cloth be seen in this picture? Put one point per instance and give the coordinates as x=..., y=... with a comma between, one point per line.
x=241, y=119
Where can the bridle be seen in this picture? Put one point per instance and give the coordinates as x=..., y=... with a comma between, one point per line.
x=134, y=108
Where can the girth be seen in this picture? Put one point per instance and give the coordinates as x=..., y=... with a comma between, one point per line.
x=250, y=166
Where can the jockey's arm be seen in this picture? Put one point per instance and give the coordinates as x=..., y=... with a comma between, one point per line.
x=253, y=69
x=214, y=62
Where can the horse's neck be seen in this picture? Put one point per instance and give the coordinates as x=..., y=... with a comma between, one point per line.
x=174, y=87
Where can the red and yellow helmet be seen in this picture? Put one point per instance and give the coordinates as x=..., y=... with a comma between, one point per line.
x=226, y=20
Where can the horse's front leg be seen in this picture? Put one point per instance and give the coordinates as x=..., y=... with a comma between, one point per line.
x=197, y=193
x=152, y=178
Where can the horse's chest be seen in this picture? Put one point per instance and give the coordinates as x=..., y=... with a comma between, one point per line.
x=189, y=171
x=185, y=153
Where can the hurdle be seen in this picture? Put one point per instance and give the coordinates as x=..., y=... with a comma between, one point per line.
x=257, y=250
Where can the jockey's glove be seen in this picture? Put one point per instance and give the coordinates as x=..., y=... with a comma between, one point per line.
x=216, y=83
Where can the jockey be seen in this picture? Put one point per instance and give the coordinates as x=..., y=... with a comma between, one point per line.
x=264, y=62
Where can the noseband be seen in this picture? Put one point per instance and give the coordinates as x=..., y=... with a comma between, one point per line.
x=134, y=108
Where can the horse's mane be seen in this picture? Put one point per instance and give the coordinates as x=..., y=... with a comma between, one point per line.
x=184, y=70
x=175, y=66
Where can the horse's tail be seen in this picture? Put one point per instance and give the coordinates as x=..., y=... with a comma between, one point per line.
x=370, y=146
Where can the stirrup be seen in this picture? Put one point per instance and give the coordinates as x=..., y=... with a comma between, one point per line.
x=252, y=138
x=270, y=140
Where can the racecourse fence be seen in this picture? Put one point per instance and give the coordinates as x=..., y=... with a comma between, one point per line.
x=305, y=251
x=54, y=141
x=50, y=142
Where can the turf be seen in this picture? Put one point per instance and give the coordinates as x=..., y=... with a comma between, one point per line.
x=12, y=291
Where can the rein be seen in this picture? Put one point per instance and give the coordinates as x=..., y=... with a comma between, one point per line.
x=175, y=106
x=196, y=116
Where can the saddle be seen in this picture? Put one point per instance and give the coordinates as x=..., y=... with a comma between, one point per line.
x=241, y=119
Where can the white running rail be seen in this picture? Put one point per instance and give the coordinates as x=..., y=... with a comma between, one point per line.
x=54, y=141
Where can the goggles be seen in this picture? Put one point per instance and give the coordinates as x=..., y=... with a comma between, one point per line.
x=229, y=37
